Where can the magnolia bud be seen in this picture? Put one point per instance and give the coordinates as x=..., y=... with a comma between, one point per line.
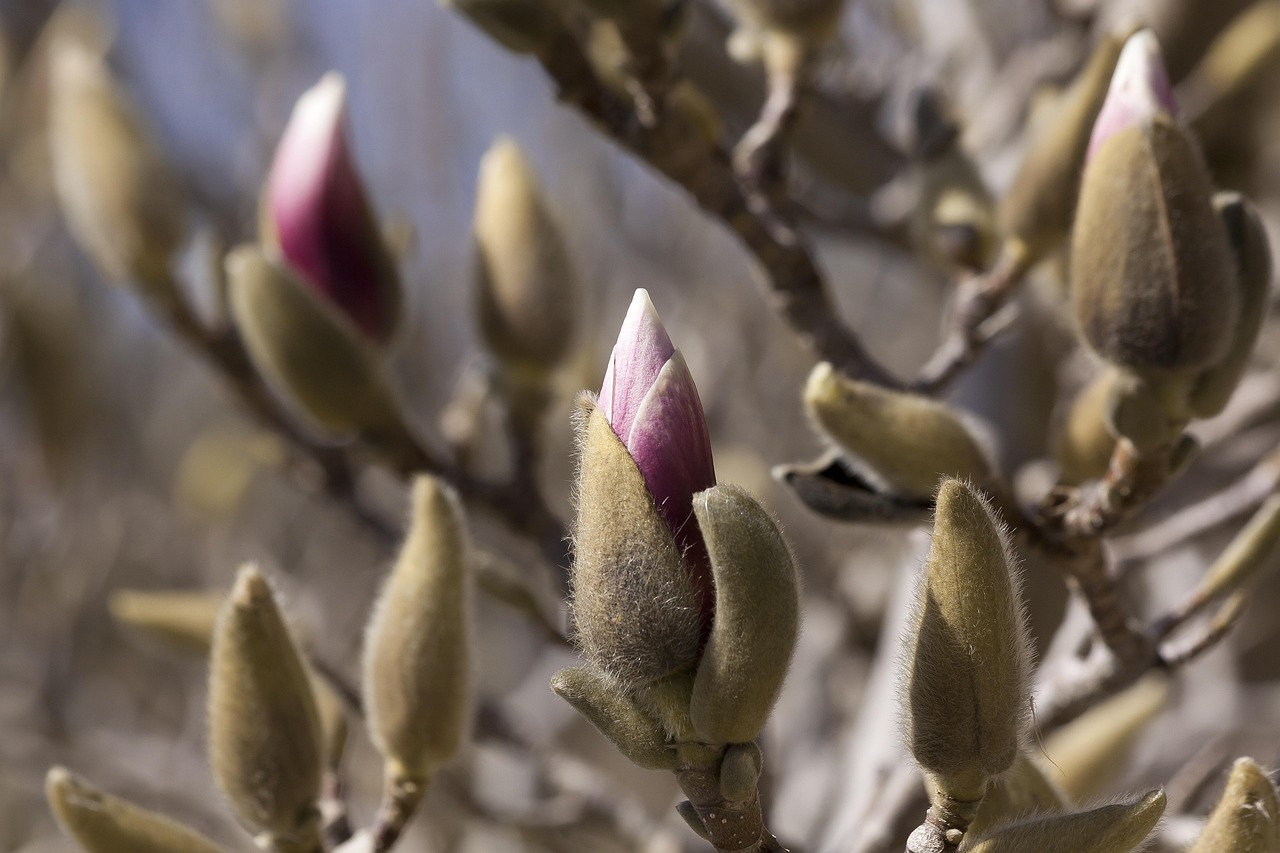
x=1247, y=818
x=1118, y=828
x=637, y=735
x=1087, y=754
x=904, y=441
x=1149, y=408
x=101, y=823
x=122, y=203
x=1150, y=266
x=1084, y=442
x=1248, y=239
x=965, y=692
x=521, y=26
x=524, y=283
x=1023, y=790
x=310, y=354
x=265, y=741
x=316, y=214
x=183, y=621
x=417, y=659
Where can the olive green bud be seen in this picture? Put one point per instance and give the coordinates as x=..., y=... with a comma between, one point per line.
x=1152, y=274
x=1084, y=442
x=1088, y=754
x=524, y=282
x=310, y=354
x=1248, y=239
x=265, y=741
x=686, y=810
x=1021, y=791
x=906, y=442
x=636, y=613
x=965, y=691
x=740, y=771
x=1036, y=212
x=637, y=735
x=333, y=720
x=182, y=621
x=521, y=26
x=1149, y=409
x=757, y=617
x=1247, y=818
x=122, y=202
x=101, y=823
x=417, y=657
x=1117, y=828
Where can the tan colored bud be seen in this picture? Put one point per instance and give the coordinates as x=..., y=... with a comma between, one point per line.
x=1248, y=239
x=101, y=823
x=1084, y=442
x=965, y=694
x=1087, y=755
x=1022, y=791
x=757, y=617
x=182, y=621
x=637, y=735
x=525, y=289
x=265, y=741
x=1150, y=267
x=636, y=613
x=1247, y=818
x=521, y=26
x=1118, y=828
x=310, y=354
x=904, y=441
x=1036, y=212
x=122, y=202
x=417, y=655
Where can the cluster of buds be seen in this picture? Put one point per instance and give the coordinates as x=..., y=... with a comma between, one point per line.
x=685, y=596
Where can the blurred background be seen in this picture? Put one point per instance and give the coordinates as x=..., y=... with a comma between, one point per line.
x=125, y=463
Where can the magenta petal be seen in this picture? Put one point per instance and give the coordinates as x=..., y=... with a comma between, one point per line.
x=1139, y=90
x=669, y=442
x=322, y=219
x=642, y=349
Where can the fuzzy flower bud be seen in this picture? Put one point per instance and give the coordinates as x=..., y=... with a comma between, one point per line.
x=1118, y=828
x=1152, y=274
x=316, y=213
x=1247, y=818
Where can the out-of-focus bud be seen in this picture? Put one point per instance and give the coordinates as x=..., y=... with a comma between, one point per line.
x=525, y=289
x=1084, y=442
x=522, y=26
x=757, y=617
x=1186, y=28
x=1035, y=214
x=1021, y=791
x=265, y=741
x=1087, y=754
x=312, y=356
x=101, y=823
x=1248, y=239
x=1148, y=408
x=1118, y=828
x=1150, y=265
x=635, y=733
x=317, y=215
x=783, y=33
x=1247, y=818
x=965, y=693
x=905, y=442
x=122, y=202
x=642, y=592
x=417, y=656
x=1250, y=553
x=180, y=620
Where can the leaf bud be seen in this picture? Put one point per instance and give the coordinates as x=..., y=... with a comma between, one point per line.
x=1247, y=818
x=265, y=741
x=417, y=656
x=756, y=621
x=310, y=354
x=101, y=823
x=1118, y=828
x=904, y=441
x=606, y=705
x=965, y=689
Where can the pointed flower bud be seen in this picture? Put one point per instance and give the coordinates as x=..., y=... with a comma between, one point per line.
x=965, y=692
x=317, y=214
x=1118, y=828
x=1247, y=818
x=101, y=823
x=1152, y=274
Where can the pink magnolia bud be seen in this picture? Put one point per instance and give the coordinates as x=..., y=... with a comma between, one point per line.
x=649, y=399
x=1139, y=91
x=318, y=216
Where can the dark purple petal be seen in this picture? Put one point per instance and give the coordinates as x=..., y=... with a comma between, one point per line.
x=1139, y=90
x=320, y=216
x=642, y=349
